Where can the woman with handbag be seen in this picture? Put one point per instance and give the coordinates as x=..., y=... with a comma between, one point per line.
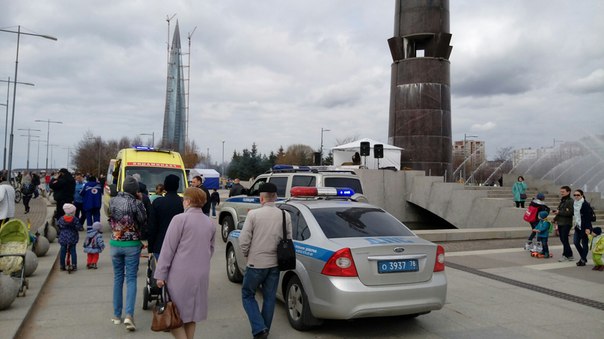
x=184, y=264
x=519, y=191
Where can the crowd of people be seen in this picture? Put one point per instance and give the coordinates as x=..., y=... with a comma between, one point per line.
x=574, y=213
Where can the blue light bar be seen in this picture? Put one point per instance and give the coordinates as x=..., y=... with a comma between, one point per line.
x=290, y=168
x=143, y=148
x=345, y=192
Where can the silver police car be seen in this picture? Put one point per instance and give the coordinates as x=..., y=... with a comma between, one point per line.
x=354, y=260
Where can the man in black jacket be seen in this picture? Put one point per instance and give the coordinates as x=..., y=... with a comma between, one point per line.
x=63, y=187
x=563, y=222
x=198, y=182
x=164, y=209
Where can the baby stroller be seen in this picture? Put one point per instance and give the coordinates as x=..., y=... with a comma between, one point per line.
x=151, y=292
x=14, y=239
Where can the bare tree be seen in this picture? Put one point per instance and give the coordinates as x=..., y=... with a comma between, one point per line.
x=504, y=153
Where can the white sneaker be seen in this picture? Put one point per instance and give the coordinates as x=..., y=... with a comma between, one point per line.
x=129, y=324
x=116, y=321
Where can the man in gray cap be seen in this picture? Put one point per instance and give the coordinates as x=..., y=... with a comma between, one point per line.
x=261, y=233
x=127, y=216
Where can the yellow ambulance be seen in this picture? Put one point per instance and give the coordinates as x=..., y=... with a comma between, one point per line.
x=151, y=164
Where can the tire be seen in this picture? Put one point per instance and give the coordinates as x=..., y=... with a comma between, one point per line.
x=17, y=196
x=226, y=227
x=298, y=311
x=146, y=298
x=232, y=269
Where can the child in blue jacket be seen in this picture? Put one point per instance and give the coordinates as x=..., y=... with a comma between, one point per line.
x=93, y=245
x=542, y=230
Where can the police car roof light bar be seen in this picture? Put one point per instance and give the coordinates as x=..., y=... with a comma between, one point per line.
x=301, y=191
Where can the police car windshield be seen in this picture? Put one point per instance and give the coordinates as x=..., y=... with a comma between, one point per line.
x=348, y=222
x=151, y=176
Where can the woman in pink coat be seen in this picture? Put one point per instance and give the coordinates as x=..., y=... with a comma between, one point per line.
x=184, y=263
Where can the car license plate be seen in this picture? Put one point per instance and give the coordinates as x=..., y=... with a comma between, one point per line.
x=393, y=266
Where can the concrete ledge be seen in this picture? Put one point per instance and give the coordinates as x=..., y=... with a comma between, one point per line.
x=473, y=234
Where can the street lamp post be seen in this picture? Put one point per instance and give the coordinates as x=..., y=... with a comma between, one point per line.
x=68, y=149
x=152, y=135
x=6, y=118
x=19, y=33
x=321, y=150
x=222, y=174
x=28, y=141
x=48, y=121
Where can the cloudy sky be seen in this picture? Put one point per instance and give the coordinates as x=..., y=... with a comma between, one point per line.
x=275, y=72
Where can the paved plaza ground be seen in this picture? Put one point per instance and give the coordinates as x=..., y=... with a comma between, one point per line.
x=79, y=305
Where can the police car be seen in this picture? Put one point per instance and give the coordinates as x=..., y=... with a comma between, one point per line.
x=234, y=209
x=353, y=260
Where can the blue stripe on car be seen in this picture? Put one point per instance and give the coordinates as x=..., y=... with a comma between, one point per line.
x=253, y=200
x=313, y=251
x=234, y=234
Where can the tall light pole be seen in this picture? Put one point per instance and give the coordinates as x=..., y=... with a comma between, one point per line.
x=38, y=156
x=48, y=121
x=28, y=141
x=465, y=152
x=152, y=135
x=222, y=174
x=68, y=149
x=321, y=150
x=19, y=33
x=6, y=119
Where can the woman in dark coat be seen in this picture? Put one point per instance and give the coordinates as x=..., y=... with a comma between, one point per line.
x=184, y=264
x=164, y=209
x=582, y=222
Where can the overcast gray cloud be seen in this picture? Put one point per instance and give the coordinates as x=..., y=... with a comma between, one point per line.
x=275, y=72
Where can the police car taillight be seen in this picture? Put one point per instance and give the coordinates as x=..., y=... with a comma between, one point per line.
x=439, y=263
x=341, y=264
x=300, y=191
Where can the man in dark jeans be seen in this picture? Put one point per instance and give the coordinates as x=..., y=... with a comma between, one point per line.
x=563, y=222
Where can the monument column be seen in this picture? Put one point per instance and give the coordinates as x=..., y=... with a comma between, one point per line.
x=420, y=93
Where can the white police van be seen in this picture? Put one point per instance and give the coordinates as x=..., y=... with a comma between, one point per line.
x=234, y=210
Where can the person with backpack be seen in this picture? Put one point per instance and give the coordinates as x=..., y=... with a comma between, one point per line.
x=542, y=229
x=27, y=189
x=93, y=245
x=531, y=215
x=582, y=219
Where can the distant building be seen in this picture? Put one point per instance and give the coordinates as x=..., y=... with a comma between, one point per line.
x=174, y=132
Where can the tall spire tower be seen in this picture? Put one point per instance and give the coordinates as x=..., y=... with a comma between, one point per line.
x=420, y=92
x=175, y=121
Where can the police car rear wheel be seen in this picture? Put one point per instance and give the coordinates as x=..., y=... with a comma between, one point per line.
x=226, y=227
x=232, y=269
x=298, y=311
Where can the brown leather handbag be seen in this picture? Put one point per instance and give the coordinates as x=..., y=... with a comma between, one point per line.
x=165, y=314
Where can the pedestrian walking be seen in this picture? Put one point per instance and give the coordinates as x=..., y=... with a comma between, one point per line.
x=68, y=236
x=92, y=199
x=582, y=215
x=519, y=191
x=27, y=191
x=35, y=180
x=7, y=200
x=126, y=216
x=563, y=221
x=197, y=181
x=214, y=201
x=94, y=244
x=78, y=200
x=63, y=186
x=261, y=233
x=184, y=265
x=164, y=209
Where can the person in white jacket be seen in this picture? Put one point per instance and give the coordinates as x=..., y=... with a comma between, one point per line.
x=7, y=200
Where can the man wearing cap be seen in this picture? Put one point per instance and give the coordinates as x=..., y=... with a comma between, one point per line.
x=164, y=209
x=261, y=233
x=127, y=216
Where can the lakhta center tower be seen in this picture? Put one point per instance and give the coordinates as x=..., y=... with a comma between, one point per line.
x=174, y=132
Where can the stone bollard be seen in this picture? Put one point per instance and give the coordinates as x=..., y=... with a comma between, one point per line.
x=41, y=246
x=31, y=263
x=49, y=232
x=8, y=291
